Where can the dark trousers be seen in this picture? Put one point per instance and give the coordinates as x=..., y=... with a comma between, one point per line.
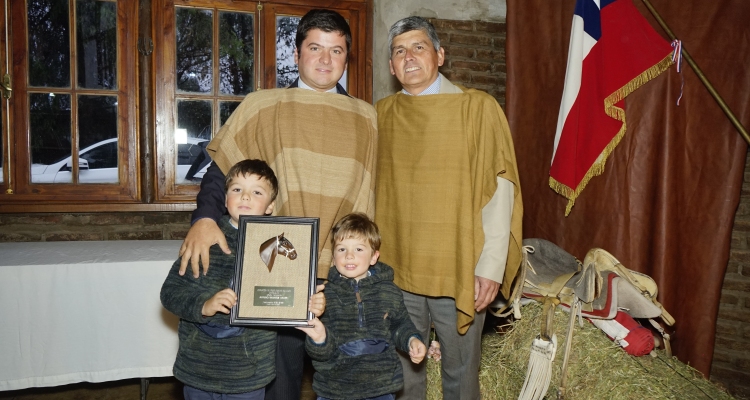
x=290, y=363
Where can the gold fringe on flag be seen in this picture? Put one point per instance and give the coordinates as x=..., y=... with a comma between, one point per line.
x=597, y=168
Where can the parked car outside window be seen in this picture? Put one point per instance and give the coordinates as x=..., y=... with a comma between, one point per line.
x=98, y=164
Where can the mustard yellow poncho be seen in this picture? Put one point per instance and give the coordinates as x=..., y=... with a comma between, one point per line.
x=439, y=159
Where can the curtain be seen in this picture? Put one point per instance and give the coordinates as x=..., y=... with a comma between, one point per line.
x=666, y=201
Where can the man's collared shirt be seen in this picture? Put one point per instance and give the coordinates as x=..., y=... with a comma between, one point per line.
x=432, y=89
x=302, y=85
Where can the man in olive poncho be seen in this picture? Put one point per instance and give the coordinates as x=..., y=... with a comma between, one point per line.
x=448, y=203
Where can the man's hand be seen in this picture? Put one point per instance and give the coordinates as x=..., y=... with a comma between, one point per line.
x=221, y=302
x=417, y=350
x=485, y=291
x=317, y=303
x=317, y=332
x=202, y=235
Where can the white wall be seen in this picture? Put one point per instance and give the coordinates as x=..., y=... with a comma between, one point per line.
x=387, y=12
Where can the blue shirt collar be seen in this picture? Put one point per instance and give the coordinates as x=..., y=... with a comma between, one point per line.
x=432, y=89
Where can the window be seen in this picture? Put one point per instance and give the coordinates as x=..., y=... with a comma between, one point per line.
x=75, y=135
x=209, y=66
x=72, y=94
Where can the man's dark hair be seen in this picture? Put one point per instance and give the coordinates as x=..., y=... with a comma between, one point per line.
x=326, y=21
x=253, y=167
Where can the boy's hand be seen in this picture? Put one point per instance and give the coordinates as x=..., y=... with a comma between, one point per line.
x=317, y=303
x=417, y=350
x=221, y=302
x=204, y=233
x=318, y=331
x=434, y=351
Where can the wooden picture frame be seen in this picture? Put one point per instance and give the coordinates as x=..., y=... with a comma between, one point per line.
x=275, y=271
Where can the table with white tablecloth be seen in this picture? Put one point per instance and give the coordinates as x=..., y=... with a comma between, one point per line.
x=84, y=312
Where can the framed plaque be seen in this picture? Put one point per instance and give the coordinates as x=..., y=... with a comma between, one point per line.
x=275, y=271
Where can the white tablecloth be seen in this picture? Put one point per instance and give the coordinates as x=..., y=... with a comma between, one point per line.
x=84, y=311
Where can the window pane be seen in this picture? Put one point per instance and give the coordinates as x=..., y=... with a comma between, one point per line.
x=226, y=108
x=96, y=44
x=193, y=134
x=97, y=138
x=286, y=69
x=97, y=119
x=49, y=43
x=49, y=128
x=194, y=50
x=235, y=53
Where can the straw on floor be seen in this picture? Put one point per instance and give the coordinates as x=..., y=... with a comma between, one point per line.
x=597, y=369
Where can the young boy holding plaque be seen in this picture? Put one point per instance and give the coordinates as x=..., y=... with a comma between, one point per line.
x=215, y=358
x=353, y=345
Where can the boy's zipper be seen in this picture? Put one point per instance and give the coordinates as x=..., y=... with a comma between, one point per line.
x=360, y=306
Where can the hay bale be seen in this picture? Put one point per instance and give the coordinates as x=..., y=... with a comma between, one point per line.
x=597, y=368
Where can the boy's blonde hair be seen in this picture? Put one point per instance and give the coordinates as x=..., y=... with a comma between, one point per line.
x=253, y=167
x=356, y=225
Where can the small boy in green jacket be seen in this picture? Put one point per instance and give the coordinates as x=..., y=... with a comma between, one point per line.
x=353, y=345
x=215, y=358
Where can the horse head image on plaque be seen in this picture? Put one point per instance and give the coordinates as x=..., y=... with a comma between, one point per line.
x=276, y=245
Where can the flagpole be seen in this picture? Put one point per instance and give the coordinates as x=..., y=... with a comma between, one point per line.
x=737, y=124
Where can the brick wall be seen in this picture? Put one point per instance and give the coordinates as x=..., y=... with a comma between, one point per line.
x=49, y=227
x=731, y=364
x=474, y=54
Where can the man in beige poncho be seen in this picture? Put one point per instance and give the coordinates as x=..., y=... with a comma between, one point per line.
x=322, y=145
x=448, y=205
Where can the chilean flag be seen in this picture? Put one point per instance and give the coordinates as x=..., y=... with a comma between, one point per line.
x=613, y=51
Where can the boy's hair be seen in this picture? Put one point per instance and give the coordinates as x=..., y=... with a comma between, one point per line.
x=356, y=225
x=253, y=167
x=325, y=20
x=409, y=24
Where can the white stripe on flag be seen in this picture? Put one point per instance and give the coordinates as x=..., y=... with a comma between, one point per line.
x=580, y=45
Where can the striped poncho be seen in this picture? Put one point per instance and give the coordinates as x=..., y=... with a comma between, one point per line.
x=322, y=146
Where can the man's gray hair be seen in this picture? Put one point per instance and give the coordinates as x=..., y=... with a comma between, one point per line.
x=409, y=24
